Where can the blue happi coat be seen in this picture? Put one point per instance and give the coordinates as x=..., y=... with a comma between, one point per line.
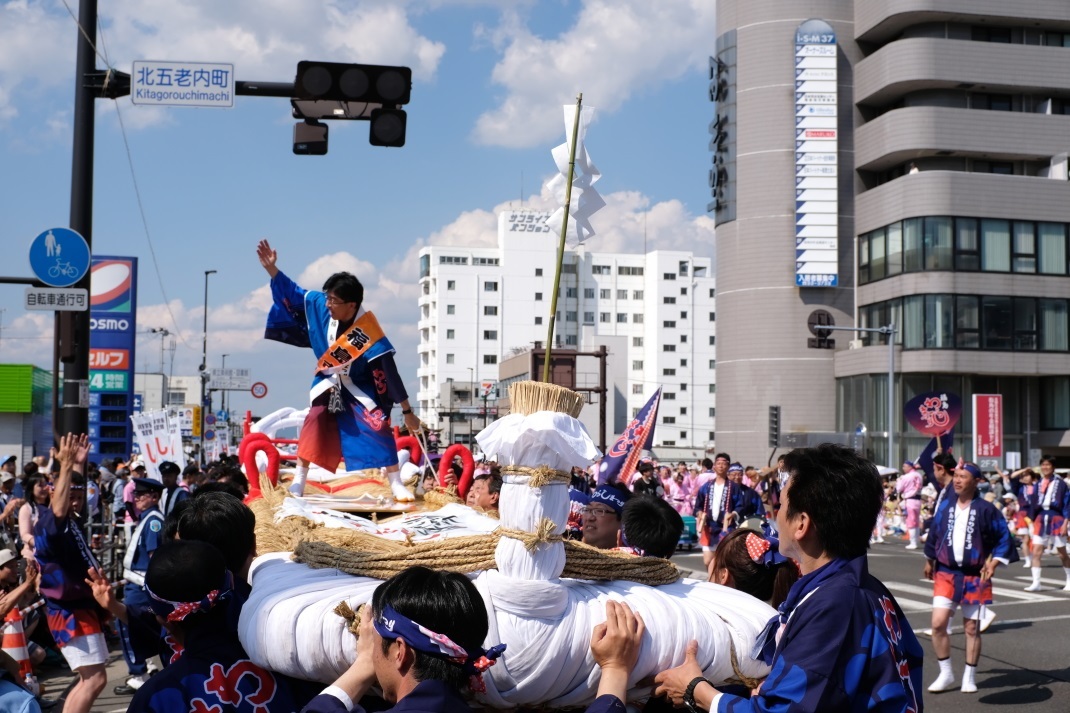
x=986, y=534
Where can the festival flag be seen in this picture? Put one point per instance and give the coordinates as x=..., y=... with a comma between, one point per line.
x=622, y=458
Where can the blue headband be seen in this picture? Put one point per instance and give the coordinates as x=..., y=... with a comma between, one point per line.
x=972, y=470
x=392, y=625
x=735, y=468
x=607, y=494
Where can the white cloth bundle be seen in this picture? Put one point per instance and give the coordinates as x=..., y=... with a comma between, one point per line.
x=543, y=438
x=289, y=625
x=522, y=507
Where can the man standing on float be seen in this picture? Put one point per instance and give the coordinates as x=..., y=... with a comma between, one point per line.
x=356, y=383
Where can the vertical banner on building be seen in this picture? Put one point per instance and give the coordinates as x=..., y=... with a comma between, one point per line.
x=112, y=338
x=988, y=430
x=816, y=156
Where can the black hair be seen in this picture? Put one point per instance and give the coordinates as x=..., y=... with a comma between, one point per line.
x=494, y=483
x=1050, y=460
x=236, y=477
x=947, y=461
x=444, y=602
x=770, y=584
x=727, y=457
x=31, y=483
x=218, y=486
x=840, y=491
x=223, y=520
x=170, y=523
x=186, y=571
x=652, y=525
x=707, y=463
x=191, y=469
x=77, y=479
x=346, y=287
x=29, y=469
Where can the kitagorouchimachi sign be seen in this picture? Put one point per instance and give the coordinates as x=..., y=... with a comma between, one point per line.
x=816, y=156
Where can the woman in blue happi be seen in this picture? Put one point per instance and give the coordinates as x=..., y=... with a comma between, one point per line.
x=356, y=382
x=840, y=641
x=968, y=539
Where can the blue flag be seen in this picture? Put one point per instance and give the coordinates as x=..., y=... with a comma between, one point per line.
x=622, y=458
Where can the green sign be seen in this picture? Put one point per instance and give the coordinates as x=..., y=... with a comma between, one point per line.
x=107, y=380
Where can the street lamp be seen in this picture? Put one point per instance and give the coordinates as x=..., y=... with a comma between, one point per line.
x=223, y=397
x=889, y=330
x=204, y=365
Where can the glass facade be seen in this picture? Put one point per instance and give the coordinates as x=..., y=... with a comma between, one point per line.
x=989, y=322
x=963, y=244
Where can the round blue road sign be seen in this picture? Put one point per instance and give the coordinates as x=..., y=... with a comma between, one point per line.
x=59, y=257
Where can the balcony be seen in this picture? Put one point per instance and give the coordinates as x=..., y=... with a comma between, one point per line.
x=881, y=20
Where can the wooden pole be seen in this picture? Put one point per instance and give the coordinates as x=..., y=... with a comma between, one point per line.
x=561, y=244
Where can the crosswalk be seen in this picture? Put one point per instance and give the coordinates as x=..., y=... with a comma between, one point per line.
x=1005, y=593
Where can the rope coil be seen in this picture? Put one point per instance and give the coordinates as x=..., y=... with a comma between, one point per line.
x=545, y=533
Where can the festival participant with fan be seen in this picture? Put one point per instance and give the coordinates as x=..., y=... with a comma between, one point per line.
x=356, y=382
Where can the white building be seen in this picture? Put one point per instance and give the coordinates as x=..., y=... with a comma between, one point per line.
x=479, y=305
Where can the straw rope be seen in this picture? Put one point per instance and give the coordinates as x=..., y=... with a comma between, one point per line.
x=741, y=678
x=540, y=476
x=545, y=533
x=438, y=497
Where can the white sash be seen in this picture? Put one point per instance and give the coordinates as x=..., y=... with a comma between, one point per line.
x=129, y=574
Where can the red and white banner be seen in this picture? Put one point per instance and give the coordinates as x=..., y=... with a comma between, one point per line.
x=987, y=426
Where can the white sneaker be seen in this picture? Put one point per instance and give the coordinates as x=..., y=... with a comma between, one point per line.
x=1034, y=587
x=1027, y=564
x=967, y=687
x=944, y=682
x=926, y=632
x=880, y=540
x=137, y=682
x=912, y=546
x=987, y=619
x=1066, y=587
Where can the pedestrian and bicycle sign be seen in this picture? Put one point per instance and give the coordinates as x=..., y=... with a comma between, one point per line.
x=59, y=257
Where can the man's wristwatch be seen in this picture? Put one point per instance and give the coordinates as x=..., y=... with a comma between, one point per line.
x=689, y=693
x=406, y=411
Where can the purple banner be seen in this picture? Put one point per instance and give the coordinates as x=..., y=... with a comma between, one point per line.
x=622, y=457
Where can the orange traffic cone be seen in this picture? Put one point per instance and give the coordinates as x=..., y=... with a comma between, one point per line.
x=14, y=642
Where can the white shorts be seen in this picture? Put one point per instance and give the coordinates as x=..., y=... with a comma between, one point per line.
x=1022, y=531
x=1049, y=540
x=87, y=650
x=969, y=611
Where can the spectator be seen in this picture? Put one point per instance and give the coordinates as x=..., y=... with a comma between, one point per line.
x=647, y=484
x=484, y=494
x=421, y=641
x=16, y=594
x=649, y=527
x=840, y=641
x=173, y=493
x=41, y=492
x=751, y=563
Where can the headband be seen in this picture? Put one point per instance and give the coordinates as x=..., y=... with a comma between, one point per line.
x=735, y=468
x=764, y=551
x=972, y=470
x=179, y=611
x=392, y=625
x=607, y=495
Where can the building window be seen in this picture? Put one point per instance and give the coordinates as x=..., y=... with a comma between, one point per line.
x=622, y=294
x=622, y=318
x=588, y=317
x=449, y=358
x=683, y=314
x=637, y=294
x=683, y=362
x=668, y=372
x=637, y=318
x=668, y=443
x=570, y=315
x=451, y=284
x=713, y=388
x=711, y=436
x=668, y=347
x=683, y=292
x=713, y=292
x=713, y=340
x=683, y=339
x=452, y=260
x=683, y=268
x=570, y=293
x=603, y=317
x=1053, y=325
x=449, y=334
x=713, y=412
x=490, y=286
x=627, y=270
x=683, y=410
x=600, y=270
x=538, y=297
x=668, y=300
x=713, y=317
x=451, y=309
x=1051, y=248
x=637, y=341
x=683, y=387
x=637, y=388
x=669, y=275
x=1024, y=258
x=490, y=358
x=490, y=334
x=588, y=293
x=490, y=310
x=1055, y=403
x=538, y=320
x=603, y=294
x=669, y=395
x=668, y=419
x=668, y=324
x=538, y=272
x=683, y=436
x=485, y=261
x=637, y=365
x=713, y=363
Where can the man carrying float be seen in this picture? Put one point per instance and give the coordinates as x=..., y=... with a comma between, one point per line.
x=356, y=382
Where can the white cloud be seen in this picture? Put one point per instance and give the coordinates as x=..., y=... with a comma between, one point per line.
x=615, y=50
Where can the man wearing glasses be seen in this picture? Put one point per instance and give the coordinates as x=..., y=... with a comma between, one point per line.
x=601, y=517
x=139, y=644
x=356, y=382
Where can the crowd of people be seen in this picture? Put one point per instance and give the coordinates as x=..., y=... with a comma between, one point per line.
x=795, y=537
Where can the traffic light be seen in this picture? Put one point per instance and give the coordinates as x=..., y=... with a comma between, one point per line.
x=335, y=81
x=387, y=128
x=774, y=426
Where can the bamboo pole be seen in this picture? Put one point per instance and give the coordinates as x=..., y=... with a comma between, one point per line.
x=561, y=244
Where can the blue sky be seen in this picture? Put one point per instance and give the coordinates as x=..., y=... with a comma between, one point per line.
x=490, y=77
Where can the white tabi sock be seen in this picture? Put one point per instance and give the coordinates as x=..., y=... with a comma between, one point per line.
x=1036, y=572
x=945, y=666
x=1066, y=570
x=969, y=682
x=297, y=487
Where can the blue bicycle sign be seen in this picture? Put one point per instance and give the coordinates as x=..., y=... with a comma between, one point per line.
x=59, y=257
